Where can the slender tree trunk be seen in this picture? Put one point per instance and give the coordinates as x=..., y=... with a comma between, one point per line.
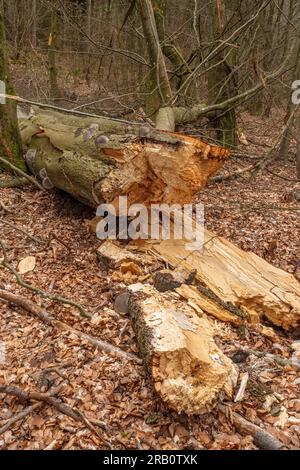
x=221, y=81
x=173, y=53
x=52, y=44
x=34, y=23
x=298, y=151
x=286, y=139
x=89, y=6
x=10, y=141
x=159, y=89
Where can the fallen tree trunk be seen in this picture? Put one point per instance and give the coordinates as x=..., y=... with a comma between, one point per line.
x=189, y=372
x=97, y=160
x=234, y=285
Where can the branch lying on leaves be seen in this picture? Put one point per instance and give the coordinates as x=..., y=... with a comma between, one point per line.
x=19, y=229
x=5, y=263
x=39, y=312
x=57, y=403
x=31, y=179
x=261, y=438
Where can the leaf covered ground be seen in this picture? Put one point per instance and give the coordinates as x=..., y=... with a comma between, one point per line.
x=258, y=215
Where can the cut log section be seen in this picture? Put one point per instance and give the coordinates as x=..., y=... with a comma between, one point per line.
x=189, y=371
x=97, y=160
x=233, y=283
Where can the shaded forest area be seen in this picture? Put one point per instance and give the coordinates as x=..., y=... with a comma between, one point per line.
x=141, y=345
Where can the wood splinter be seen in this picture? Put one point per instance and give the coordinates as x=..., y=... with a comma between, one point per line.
x=189, y=372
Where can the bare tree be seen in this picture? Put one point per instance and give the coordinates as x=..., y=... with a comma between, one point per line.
x=10, y=142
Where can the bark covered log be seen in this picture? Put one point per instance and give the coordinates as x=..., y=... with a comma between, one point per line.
x=189, y=372
x=97, y=160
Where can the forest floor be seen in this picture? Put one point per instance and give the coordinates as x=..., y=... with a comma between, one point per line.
x=258, y=215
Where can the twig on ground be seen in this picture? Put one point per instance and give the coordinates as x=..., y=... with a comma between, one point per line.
x=241, y=392
x=37, y=290
x=6, y=209
x=56, y=403
x=19, y=416
x=261, y=438
x=38, y=311
x=22, y=173
x=19, y=229
x=282, y=177
x=235, y=174
x=272, y=357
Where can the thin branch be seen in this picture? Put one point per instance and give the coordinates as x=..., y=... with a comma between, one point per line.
x=56, y=403
x=261, y=438
x=46, y=295
x=21, y=172
x=19, y=229
x=19, y=99
x=19, y=416
x=39, y=312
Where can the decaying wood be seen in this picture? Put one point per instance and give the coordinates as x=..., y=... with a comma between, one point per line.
x=188, y=370
x=112, y=256
x=240, y=283
x=97, y=160
x=167, y=279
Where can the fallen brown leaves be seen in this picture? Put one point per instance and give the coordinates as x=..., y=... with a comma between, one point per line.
x=117, y=394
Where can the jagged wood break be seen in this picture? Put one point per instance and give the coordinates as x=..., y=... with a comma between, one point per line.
x=189, y=372
x=238, y=285
x=96, y=160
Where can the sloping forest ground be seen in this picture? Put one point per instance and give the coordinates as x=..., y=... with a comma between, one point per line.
x=258, y=215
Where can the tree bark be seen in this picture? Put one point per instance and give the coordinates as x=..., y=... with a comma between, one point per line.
x=97, y=160
x=189, y=372
x=10, y=141
x=52, y=44
x=298, y=151
x=221, y=80
x=158, y=85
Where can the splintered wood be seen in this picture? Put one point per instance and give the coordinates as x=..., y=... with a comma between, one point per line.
x=233, y=284
x=189, y=371
x=97, y=160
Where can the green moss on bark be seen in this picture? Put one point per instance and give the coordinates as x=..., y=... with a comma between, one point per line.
x=10, y=140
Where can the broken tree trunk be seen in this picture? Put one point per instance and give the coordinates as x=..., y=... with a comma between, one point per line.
x=97, y=160
x=233, y=285
x=189, y=371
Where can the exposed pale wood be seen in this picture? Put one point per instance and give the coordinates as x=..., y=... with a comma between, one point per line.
x=188, y=370
x=208, y=305
x=113, y=256
x=242, y=279
x=96, y=160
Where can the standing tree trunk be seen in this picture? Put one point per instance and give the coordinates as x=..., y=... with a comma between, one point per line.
x=34, y=24
x=158, y=86
x=221, y=80
x=298, y=150
x=173, y=52
x=52, y=44
x=10, y=141
x=286, y=139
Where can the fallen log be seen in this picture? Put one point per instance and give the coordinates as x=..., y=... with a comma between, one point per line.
x=189, y=372
x=97, y=160
x=234, y=281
